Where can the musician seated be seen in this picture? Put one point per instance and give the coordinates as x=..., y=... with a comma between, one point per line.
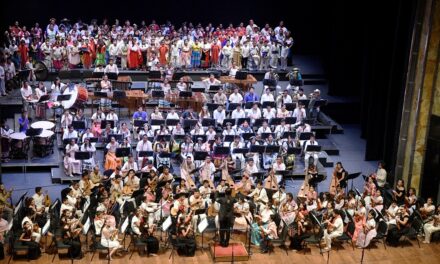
x=432, y=226
x=140, y=114
x=86, y=185
x=109, y=239
x=89, y=147
x=112, y=116
x=66, y=119
x=181, y=85
x=99, y=68
x=96, y=175
x=197, y=130
x=185, y=236
x=211, y=81
x=149, y=167
x=268, y=233
x=428, y=208
x=284, y=98
x=310, y=154
x=190, y=114
x=149, y=207
x=303, y=127
x=65, y=205
x=260, y=196
x=269, y=112
x=70, y=230
x=267, y=96
x=125, y=132
x=172, y=114
x=197, y=202
x=219, y=97
x=280, y=196
x=111, y=67
x=166, y=176
x=334, y=229
x=42, y=201
x=254, y=113
x=219, y=115
x=182, y=187
x=70, y=133
x=27, y=238
x=111, y=161
x=130, y=164
x=132, y=181
x=178, y=130
x=36, y=230
x=245, y=128
x=238, y=113
x=265, y=128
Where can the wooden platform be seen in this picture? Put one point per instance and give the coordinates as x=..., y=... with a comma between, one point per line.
x=236, y=251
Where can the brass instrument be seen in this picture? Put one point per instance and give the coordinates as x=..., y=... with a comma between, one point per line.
x=47, y=201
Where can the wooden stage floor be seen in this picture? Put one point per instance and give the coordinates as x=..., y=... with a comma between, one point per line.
x=410, y=254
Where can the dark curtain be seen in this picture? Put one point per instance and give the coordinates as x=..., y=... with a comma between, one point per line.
x=368, y=44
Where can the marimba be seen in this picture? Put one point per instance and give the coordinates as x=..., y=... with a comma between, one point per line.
x=196, y=101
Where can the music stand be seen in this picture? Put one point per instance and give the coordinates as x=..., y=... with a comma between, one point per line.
x=195, y=138
x=172, y=122
x=79, y=125
x=112, y=75
x=202, y=227
x=142, y=154
x=44, y=98
x=313, y=148
x=240, y=121
x=240, y=151
x=257, y=148
x=270, y=82
x=258, y=175
x=93, y=139
x=122, y=152
x=305, y=135
x=118, y=137
x=198, y=89
x=275, y=121
x=290, y=120
x=157, y=122
x=266, y=103
x=247, y=136
x=229, y=138
x=166, y=224
x=352, y=177
x=320, y=103
x=140, y=123
x=259, y=122
x=294, y=151
x=185, y=94
x=82, y=155
x=164, y=137
x=241, y=75
x=290, y=106
x=304, y=102
x=222, y=151
x=200, y=155
x=272, y=149
x=154, y=75
x=66, y=141
x=105, y=122
x=45, y=228
x=179, y=137
x=207, y=122
x=118, y=95
x=157, y=94
x=19, y=204
x=233, y=106
x=229, y=120
x=214, y=87
x=97, y=75
x=63, y=97
x=100, y=94
x=292, y=134
x=248, y=105
x=212, y=106
x=266, y=135
x=189, y=123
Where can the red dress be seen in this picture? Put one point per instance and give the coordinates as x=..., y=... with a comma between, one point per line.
x=215, y=51
x=163, y=50
x=134, y=58
x=23, y=50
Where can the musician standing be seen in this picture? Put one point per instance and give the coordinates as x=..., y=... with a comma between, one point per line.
x=226, y=217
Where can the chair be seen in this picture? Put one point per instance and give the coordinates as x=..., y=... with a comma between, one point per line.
x=315, y=239
x=414, y=230
x=137, y=243
x=281, y=240
x=347, y=235
x=15, y=246
x=98, y=246
x=382, y=229
x=59, y=245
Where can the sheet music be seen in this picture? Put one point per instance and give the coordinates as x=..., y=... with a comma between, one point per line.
x=45, y=227
x=203, y=225
x=124, y=225
x=167, y=223
x=86, y=226
x=86, y=205
x=18, y=207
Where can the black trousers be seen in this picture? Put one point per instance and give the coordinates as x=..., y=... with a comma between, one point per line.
x=225, y=230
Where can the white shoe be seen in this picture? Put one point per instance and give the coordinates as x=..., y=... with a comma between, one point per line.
x=326, y=249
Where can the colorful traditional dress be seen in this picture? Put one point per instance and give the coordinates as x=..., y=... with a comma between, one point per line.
x=196, y=55
x=215, y=54
x=100, y=55
x=163, y=52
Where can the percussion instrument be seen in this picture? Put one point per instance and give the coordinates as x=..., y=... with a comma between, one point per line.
x=19, y=146
x=79, y=95
x=45, y=125
x=43, y=143
x=196, y=101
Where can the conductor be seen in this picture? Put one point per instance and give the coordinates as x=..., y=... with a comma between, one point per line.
x=226, y=217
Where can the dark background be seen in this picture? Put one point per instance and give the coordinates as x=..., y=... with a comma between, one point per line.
x=363, y=44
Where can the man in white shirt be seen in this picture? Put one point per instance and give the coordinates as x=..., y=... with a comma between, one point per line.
x=112, y=116
x=334, y=229
x=129, y=165
x=236, y=97
x=310, y=142
x=219, y=115
x=39, y=198
x=381, y=175
x=70, y=133
x=211, y=81
x=238, y=113
x=26, y=94
x=254, y=113
x=269, y=112
x=111, y=67
x=299, y=113
x=264, y=128
x=267, y=96
x=261, y=193
x=143, y=145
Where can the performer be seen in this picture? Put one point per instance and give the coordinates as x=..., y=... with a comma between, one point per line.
x=71, y=165
x=109, y=238
x=111, y=161
x=226, y=217
x=196, y=54
x=334, y=229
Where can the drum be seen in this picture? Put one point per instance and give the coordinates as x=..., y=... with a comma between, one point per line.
x=79, y=96
x=18, y=145
x=43, y=143
x=45, y=125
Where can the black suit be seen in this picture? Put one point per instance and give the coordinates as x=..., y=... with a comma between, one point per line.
x=226, y=218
